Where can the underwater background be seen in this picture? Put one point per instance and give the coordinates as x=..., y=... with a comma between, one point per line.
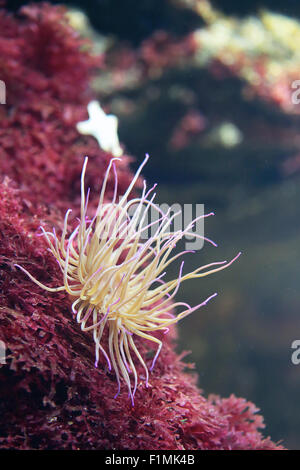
x=206, y=90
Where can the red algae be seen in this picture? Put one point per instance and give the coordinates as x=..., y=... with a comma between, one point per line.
x=51, y=395
x=46, y=67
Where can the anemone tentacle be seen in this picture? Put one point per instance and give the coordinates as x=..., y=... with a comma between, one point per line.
x=110, y=270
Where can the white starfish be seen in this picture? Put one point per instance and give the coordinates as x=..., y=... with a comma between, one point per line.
x=104, y=127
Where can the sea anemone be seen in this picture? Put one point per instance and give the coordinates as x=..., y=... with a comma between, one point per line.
x=114, y=274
